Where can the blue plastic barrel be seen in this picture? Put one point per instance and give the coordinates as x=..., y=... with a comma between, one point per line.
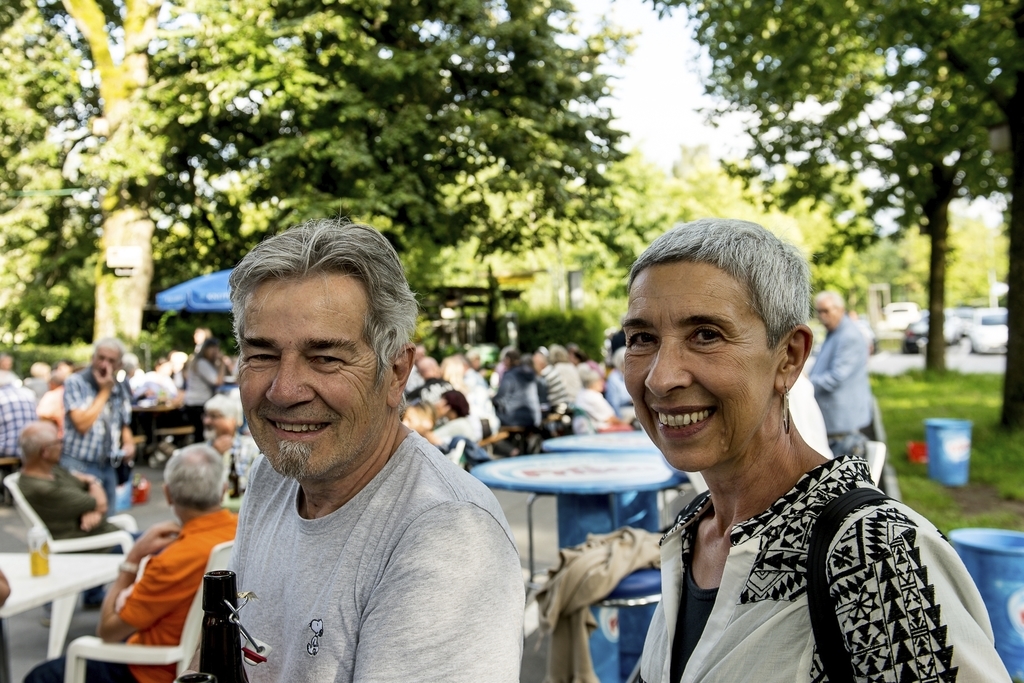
x=604, y=645
x=949, y=450
x=995, y=560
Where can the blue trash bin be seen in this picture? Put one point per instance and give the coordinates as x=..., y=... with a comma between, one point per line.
x=604, y=644
x=949, y=450
x=995, y=560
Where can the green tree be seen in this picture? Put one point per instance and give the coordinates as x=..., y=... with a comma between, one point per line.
x=902, y=91
x=437, y=121
x=124, y=156
x=47, y=239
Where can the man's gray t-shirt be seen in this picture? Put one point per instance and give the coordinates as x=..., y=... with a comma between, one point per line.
x=417, y=578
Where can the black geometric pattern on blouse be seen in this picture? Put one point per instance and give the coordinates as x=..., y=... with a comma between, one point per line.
x=886, y=606
x=779, y=573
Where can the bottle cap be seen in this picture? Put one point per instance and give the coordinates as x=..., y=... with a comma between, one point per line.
x=219, y=586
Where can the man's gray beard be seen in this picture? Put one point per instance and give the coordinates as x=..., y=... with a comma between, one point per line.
x=292, y=459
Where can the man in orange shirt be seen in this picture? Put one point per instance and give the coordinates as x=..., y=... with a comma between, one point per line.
x=150, y=609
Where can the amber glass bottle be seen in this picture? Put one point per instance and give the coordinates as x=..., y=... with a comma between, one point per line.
x=220, y=646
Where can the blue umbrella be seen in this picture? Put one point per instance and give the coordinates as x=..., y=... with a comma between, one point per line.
x=203, y=294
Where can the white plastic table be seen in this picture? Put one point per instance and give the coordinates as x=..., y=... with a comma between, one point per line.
x=69, y=575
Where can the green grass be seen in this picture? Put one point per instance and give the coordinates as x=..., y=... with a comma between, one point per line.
x=997, y=456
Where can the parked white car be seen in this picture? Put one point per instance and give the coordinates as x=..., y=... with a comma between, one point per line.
x=989, y=332
x=899, y=315
x=965, y=317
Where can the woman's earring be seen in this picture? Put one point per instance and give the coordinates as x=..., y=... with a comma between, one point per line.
x=785, y=411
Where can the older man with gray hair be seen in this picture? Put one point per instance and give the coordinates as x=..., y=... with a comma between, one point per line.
x=373, y=556
x=98, y=417
x=840, y=378
x=222, y=418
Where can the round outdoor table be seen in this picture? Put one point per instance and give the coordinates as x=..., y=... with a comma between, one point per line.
x=581, y=472
x=596, y=492
x=610, y=442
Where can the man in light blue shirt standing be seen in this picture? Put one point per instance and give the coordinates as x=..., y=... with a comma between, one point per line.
x=840, y=378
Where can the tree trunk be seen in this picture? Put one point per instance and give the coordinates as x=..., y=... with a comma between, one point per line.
x=126, y=221
x=1013, y=384
x=120, y=300
x=493, y=294
x=936, y=211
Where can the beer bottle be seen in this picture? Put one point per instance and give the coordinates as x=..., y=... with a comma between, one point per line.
x=235, y=490
x=220, y=646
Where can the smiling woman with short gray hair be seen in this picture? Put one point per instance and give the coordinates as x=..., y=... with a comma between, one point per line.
x=715, y=339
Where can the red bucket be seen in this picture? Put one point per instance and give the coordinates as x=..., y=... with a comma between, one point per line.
x=140, y=493
x=917, y=452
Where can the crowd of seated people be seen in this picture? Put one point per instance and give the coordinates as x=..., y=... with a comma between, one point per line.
x=523, y=399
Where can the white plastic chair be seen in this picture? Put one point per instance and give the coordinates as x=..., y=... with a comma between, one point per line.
x=90, y=647
x=73, y=545
x=876, y=460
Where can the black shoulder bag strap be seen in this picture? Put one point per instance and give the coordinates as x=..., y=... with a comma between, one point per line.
x=824, y=621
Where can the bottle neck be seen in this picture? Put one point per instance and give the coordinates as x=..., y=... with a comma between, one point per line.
x=219, y=592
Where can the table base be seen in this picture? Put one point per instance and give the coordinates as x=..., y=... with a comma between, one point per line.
x=579, y=515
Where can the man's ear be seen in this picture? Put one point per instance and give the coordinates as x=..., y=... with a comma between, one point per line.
x=795, y=348
x=401, y=367
x=167, y=494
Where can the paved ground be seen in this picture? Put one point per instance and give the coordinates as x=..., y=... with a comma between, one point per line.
x=27, y=637
x=957, y=358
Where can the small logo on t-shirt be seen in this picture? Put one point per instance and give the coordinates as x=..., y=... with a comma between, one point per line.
x=313, y=646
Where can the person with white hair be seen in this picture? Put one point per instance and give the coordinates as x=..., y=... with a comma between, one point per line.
x=716, y=337
x=222, y=418
x=558, y=356
x=133, y=373
x=598, y=414
x=38, y=379
x=70, y=504
x=474, y=378
x=840, y=378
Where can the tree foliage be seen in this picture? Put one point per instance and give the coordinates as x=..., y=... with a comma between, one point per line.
x=437, y=121
x=47, y=239
x=901, y=94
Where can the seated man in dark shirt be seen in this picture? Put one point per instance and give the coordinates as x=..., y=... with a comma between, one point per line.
x=71, y=504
